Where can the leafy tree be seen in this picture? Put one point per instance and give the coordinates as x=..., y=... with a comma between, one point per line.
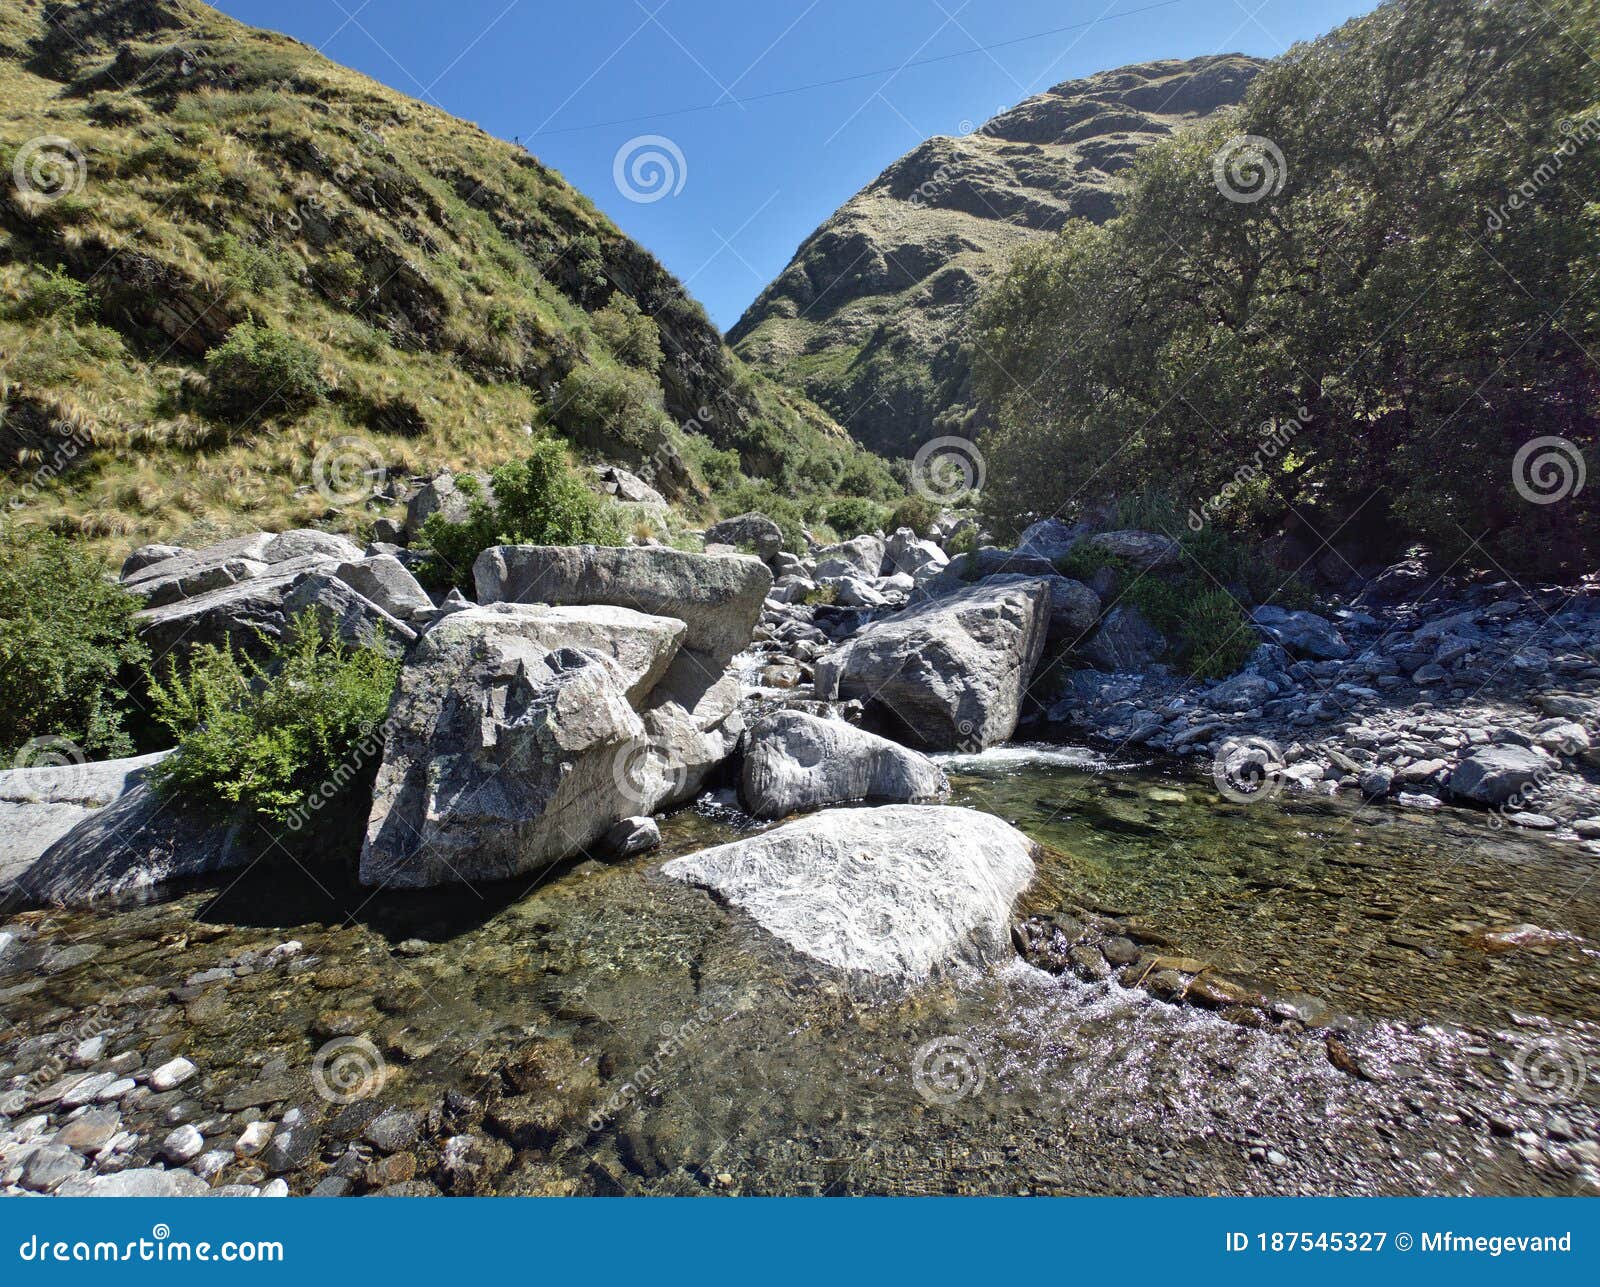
x=1404, y=299
x=68, y=651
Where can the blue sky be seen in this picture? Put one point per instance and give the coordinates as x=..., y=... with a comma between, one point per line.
x=755, y=177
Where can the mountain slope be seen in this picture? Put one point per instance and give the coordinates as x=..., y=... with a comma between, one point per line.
x=171, y=177
x=869, y=315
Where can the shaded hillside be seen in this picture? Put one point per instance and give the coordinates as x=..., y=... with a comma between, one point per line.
x=869, y=316
x=360, y=265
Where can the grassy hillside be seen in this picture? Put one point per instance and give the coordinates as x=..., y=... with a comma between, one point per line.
x=230, y=268
x=870, y=317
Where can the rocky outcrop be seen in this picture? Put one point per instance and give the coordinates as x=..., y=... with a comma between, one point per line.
x=136, y=847
x=871, y=313
x=509, y=741
x=949, y=673
x=897, y=892
x=718, y=597
x=40, y=805
x=795, y=761
x=244, y=591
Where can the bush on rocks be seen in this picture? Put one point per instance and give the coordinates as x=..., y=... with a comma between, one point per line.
x=68, y=652
x=539, y=500
x=280, y=738
x=854, y=516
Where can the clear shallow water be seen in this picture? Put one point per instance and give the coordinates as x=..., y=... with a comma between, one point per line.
x=679, y=1050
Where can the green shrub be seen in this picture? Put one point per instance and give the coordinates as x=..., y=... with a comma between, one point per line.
x=632, y=337
x=963, y=542
x=539, y=500
x=853, y=516
x=915, y=512
x=601, y=407
x=260, y=371
x=278, y=738
x=68, y=652
x=58, y=294
x=822, y=594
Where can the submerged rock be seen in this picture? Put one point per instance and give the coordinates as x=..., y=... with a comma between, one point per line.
x=950, y=671
x=797, y=761
x=897, y=892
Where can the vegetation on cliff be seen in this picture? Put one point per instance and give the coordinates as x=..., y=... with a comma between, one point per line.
x=230, y=268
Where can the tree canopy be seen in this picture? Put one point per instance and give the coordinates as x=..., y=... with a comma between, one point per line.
x=1381, y=264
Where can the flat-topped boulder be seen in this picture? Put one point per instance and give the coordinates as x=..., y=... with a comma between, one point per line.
x=510, y=741
x=949, y=672
x=643, y=646
x=1494, y=774
x=795, y=761
x=898, y=892
x=718, y=597
x=1145, y=550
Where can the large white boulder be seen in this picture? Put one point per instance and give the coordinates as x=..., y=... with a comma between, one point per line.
x=718, y=597
x=897, y=892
